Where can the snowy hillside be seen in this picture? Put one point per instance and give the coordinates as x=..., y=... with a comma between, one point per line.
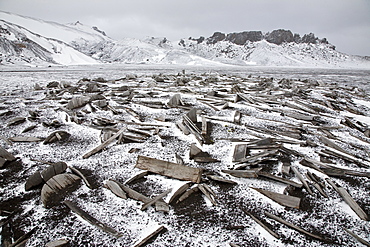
x=32, y=42
x=278, y=48
x=21, y=46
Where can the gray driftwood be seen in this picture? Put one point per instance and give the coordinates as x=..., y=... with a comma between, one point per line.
x=79, y=173
x=56, y=187
x=292, y=226
x=104, y=144
x=349, y=200
x=92, y=220
x=115, y=188
x=279, y=179
x=169, y=169
x=251, y=173
x=179, y=192
x=261, y=223
x=150, y=236
x=285, y=200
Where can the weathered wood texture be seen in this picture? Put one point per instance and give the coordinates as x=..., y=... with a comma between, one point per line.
x=169, y=169
x=292, y=226
x=92, y=220
x=150, y=236
x=285, y=200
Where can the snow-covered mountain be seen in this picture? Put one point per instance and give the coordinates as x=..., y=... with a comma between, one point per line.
x=278, y=48
x=30, y=41
x=25, y=40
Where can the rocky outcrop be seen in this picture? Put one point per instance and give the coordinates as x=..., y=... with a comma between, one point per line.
x=243, y=37
x=277, y=37
x=216, y=37
x=280, y=36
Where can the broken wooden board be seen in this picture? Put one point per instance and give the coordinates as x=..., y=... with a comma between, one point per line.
x=25, y=139
x=133, y=194
x=261, y=224
x=155, y=199
x=39, y=178
x=169, y=169
x=57, y=243
x=77, y=102
x=179, y=192
x=79, y=173
x=92, y=220
x=279, y=179
x=187, y=194
x=16, y=121
x=251, y=173
x=56, y=187
x=220, y=179
x=208, y=192
x=150, y=236
x=301, y=178
x=115, y=188
x=359, y=239
x=136, y=177
x=23, y=239
x=349, y=200
x=240, y=152
x=285, y=200
x=6, y=155
x=292, y=226
x=56, y=136
x=104, y=144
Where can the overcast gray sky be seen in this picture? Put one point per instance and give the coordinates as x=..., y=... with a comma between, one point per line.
x=345, y=23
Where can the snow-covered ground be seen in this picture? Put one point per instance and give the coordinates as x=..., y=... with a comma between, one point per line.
x=195, y=222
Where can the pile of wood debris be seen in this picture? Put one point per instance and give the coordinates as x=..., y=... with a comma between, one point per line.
x=266, y=155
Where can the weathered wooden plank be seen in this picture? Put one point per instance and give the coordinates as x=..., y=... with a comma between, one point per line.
x=207, y=193
x=104, y=144
x=169, y=169
x=187, y=194
x=316, y=184
x=57, y=243
x=261, y=224
x=92, y=220
x=179, y=192
x=136, y=177
x=349, y=200
x=279, y=179
x=53, y=170
x=55, y=188
x=258, y=156
x=6, y=155
x=25, y=139
x=115, y=188
x=285, y=200
x=240, y=152
x=150, y=236
x=251, y=173
x=220, y=179
x=155, y=199
x=292, y=226
x=301, y=178
x=79, y=173
x=23, y=239
x=237, y=117
x=358, y=238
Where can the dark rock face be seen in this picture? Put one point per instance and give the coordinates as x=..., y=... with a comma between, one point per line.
x=100, y=31
x=309, y=38
x=243, y=37
x=277, y=37
x=216, y=37
x=280, y=36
